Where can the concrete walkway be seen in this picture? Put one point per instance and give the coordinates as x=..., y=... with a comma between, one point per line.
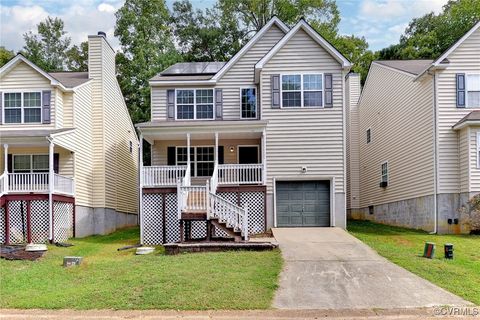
x=327, y=268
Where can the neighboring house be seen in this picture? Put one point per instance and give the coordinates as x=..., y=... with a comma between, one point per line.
x=69, y=151
x=419, y=140
x=264, y=131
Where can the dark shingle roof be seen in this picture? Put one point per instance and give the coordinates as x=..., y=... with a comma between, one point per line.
x=190, y=71
x=472, y=116
x=411, y=66
x=32, y=132
x=70, y=79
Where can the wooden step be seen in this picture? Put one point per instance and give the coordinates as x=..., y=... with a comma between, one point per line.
x=237, y=235
x=194, y=215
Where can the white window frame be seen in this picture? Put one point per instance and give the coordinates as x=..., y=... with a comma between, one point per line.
x=383, y=175
x=31, y=162
x=195, y=104
x=194, y=158
x=256, y=102
x=301, y=74
x=466, y=89
x=369, y=135
x=22, y=107
x=478, y=150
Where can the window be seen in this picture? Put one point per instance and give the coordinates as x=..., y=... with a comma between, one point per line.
x=473, y=90
x=130, y=146
x=478, y=150
x=248, y=100
x=369, y=135
x=30, y=163
x=202, y=160
x=384, y=172
x=23, y=107
x=194, y=104
x=302, y=90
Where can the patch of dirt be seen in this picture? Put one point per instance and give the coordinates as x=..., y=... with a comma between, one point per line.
x=19, y=253
x=404, y=242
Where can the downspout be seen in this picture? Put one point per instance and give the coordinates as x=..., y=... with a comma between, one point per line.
x=435, y=155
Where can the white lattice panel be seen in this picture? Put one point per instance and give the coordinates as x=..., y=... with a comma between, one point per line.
x=152, y=218
x=199, y=229
x=172, y=223
x=2, y=225
x=256, y=213
x=17, y=214
x=62, y=221
x=39, y=221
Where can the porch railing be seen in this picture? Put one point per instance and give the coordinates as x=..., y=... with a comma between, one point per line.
x=240, y=174
x=159, y=176
x=27, y=182
x=63, y=184
x=3, y=184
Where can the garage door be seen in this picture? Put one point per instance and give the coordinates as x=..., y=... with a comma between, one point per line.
x=303, y=204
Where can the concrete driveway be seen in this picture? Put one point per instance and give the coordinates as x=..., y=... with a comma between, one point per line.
x=327, y=268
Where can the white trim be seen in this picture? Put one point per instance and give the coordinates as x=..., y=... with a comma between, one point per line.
x=22, y=107
x=194, y=174
x=248, y=145
x=466, y=124
x=467, y=74
x=312, y=33
x=31, y=160
x=195, y=104
x=301, y=74
x=250, y=44
x=381, y=172
x=160, y=83
x=478, y=150
x=256, y=102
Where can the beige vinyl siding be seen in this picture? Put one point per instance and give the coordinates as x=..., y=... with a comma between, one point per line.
x=400, y=114
x=241, y=74
x=473, y=158
x=25, y=78
x=464, y=159
x=68, y=110
x=310, y=137
x=58, y=108
x=465, y=59
x=352, y=94
x=159, y=148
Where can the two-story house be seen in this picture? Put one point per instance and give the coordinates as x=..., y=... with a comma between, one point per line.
x=419, y=140
x=69, y=151
x=241, y=146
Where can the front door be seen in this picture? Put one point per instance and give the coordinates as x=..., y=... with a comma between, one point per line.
x=247, y=154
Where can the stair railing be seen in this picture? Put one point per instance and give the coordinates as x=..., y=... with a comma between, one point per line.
x=232, y=215
x=214, y=180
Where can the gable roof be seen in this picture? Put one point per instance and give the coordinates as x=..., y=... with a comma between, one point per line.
x=414, y=67
x=302, y=24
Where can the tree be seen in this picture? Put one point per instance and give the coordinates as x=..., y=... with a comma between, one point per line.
x=77, y=57
x=47, y=48
x=5, y=55
x=356, y=50
x=143, y=29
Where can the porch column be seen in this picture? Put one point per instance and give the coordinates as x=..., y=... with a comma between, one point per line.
x=264, y=156
x=140, y=184
x=216, y=149
x=5, y=168
x=188, y=154
x=51, y=147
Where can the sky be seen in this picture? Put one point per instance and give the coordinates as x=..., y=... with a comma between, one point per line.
x=381, y=22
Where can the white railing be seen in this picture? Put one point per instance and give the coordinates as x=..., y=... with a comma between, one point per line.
x=234, y=216
x=240, y=174
x=158, y=176
x=63, y=184
x=187, y=180
x=27, y=182
x=214, y=180
x=3, y=184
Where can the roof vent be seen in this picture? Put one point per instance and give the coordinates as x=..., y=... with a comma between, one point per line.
x=101, y=33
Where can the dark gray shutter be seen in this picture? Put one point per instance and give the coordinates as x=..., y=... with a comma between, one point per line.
x=10, y=163
x=1, y=107
x=275, y=83
x=46, y=109
x=170, y=104
x=171, y=157
x=221, y=155
x=328, y=90
x=460, y=90
x=56, y=162
x=218, y=104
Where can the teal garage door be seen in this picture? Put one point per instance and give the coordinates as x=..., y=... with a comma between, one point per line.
x=303, y=203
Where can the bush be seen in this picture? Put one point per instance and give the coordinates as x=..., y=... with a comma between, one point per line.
x=470, y=214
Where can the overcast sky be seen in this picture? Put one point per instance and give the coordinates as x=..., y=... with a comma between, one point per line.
x=380, y=21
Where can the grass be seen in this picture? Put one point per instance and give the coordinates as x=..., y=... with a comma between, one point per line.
x=111, y=279
x=404, y=247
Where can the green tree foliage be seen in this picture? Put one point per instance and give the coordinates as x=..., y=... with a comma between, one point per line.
x=5, y=55
x=430, y=35
x=143, y=29
x=47, y=48
x=77, y=57
x=356, y=50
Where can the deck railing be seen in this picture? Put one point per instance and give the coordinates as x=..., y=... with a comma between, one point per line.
x=3, y=184
x=161, y=176
x=240, y=174
x=35, y=182
x=63, y=184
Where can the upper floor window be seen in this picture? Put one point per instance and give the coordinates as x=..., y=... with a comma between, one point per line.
x=23, y=107
x=473, y=90
x=248, y=99
x=369, y=135
x=194, y=104
x=302, y=90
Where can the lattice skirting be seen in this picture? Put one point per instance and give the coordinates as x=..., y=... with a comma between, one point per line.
x=161, y=224
x=28, y=220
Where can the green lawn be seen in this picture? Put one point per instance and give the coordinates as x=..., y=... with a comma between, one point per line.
x=120, y=280
x=404, y=247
